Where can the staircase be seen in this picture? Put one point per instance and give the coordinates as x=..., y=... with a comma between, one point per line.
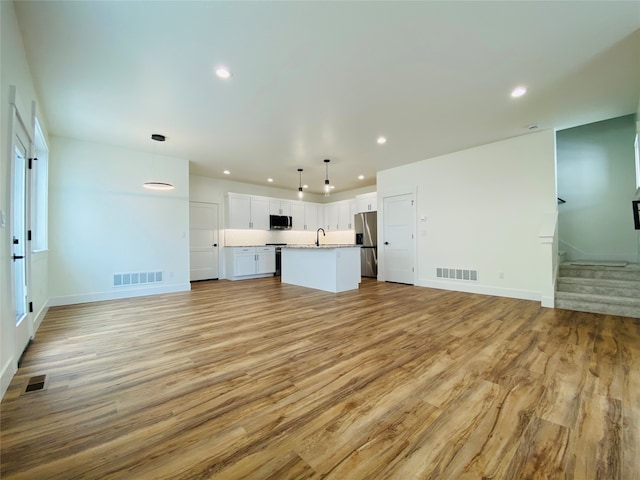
x=599, y=289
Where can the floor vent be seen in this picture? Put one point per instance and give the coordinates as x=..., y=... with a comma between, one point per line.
x=35, y=383
x=137, y=278
x=464, y=274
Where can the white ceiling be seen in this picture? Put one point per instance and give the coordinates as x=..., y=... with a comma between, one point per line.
x=316, y=80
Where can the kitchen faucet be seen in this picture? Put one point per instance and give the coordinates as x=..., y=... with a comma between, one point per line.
x=318, y=236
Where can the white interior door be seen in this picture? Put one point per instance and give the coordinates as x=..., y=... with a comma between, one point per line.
x=399, y=238
x=203, y=238
x=20, y=251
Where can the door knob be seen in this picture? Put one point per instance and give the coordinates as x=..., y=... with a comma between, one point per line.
x=386, y=243
x=215, y=245
x=17, y=257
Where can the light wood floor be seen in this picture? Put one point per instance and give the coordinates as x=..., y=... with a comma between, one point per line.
x=257, y=380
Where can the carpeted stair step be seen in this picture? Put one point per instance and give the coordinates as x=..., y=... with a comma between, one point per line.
x=629, y=272
x=584, y=302
x=598, y=286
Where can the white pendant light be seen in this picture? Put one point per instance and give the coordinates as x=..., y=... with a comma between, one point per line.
x=154, y=184
x=300, y=192
x=327, y=185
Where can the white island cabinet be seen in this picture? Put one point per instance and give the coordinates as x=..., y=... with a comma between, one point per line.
x=332, y=268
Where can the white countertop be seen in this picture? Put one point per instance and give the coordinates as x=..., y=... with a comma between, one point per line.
x=322, y=246
x=299, y=245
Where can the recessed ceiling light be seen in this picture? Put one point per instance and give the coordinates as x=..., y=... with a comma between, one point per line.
x=360, y=177
x=227, y=172
x=332, y=187
x=305, y=186
x=381, y=140
x=223, y=72
x=518, y=92
x=270, y=180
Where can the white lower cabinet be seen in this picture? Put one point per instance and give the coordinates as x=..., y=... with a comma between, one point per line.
x=250, y=262
x=265, y=260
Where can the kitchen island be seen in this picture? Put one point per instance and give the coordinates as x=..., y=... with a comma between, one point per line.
x=332, y=268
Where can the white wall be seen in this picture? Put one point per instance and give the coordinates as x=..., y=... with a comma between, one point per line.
x=102, y=221
x=596, y=177
x=485, y=208
x=14, y=70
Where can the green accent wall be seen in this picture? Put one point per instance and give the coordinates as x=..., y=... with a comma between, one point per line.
x=596, y=177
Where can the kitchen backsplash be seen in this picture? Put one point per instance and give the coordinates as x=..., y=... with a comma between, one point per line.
x=243, y=238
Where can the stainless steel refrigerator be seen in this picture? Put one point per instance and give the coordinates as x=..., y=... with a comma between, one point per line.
x=366, y=227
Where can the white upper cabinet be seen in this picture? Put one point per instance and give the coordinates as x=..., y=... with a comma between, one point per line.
x=313, y=218
x=252, y=212
x=247, y=211
x=279, y=207
x=367, y=202
x=331, y=216
x=345, y=215
x=297, y=216
x=339, y=215
x=304, y=216
x=238, y=211
x=259, y=213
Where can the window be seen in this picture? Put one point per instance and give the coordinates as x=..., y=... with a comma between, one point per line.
x=39, y=192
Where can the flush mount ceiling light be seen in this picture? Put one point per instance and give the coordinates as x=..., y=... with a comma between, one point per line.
x=270, y=180
x=360, y=177
x=154, y=184
x=381, y=140
x=223, y=72
x=227, y=172
x=518, y=91
x=300, y=192
x=327, y=186
x=158, y=186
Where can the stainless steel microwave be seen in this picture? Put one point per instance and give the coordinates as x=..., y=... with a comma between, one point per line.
x=280, y=222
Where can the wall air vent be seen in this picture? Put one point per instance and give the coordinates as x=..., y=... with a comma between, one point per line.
x=136, y=278
x=463, y=274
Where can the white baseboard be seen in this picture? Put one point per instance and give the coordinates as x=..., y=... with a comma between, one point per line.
x=9, y=369
x=481, y=289
x=117, y=294
x=548, y=302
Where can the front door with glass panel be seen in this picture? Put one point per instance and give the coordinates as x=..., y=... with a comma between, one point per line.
x=19, y=238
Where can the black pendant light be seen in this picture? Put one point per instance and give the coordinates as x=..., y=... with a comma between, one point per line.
x=327, y=186
x=153, y=184
x=300, y=192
